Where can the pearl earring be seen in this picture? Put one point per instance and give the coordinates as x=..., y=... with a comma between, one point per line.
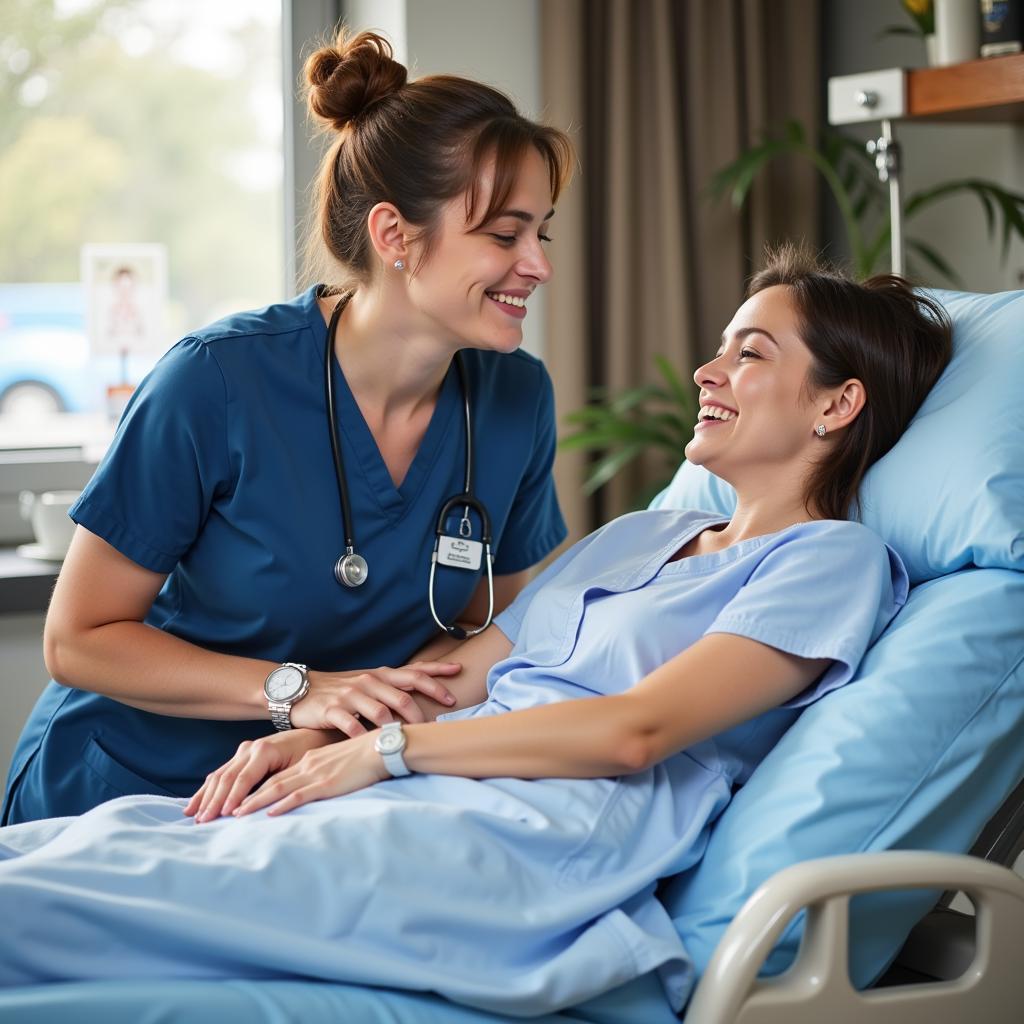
x=820, y=430
x=399, y=264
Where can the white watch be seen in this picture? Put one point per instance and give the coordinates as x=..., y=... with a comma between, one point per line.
x=286, y=685
x=390, y=743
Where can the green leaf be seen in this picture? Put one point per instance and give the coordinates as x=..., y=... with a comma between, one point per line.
x=683, y=395
x=676, y=425
x=898, y=30
x=609, y=466
x=936, y=260
x=794, y=132
x=630, y=399
x=587, y=415
x=614, y=432
x=738, y=176
x=1009, y=204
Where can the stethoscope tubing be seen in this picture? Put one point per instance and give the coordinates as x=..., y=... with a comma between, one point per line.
x=351, y=570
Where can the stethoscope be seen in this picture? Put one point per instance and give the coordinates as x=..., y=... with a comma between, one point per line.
x=461, y=552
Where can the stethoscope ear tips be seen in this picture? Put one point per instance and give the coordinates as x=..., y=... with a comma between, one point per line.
x=351, y=570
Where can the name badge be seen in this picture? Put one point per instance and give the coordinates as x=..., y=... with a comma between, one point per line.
x=459, y=553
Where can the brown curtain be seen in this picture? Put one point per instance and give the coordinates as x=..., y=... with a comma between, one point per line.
x=659, y=94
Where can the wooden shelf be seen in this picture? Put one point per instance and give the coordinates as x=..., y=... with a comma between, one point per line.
x=977, y=90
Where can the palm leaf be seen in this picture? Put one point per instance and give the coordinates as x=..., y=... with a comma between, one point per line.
x=682, y=394
x=608, y=466
x=935, y=259
x=993, y=198
x=737, y=177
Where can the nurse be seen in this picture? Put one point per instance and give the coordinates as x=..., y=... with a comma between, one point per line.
x=203, y=563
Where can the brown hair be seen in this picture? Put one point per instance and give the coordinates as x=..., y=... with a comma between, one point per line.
x=415, y=144
x=880, y=331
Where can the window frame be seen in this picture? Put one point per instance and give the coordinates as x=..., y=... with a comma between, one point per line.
x=70, y=467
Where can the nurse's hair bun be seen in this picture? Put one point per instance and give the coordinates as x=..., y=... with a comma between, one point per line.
x=347, y=77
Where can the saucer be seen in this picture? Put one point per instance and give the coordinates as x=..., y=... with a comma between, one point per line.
x=39, y=552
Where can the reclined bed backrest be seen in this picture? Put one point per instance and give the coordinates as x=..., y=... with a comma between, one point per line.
x=923, y=747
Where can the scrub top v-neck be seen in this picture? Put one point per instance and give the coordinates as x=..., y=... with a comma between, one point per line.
x=395, y=501
x=220, y=475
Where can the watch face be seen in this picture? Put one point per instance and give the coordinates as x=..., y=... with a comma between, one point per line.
x=283, y=683
x=390, y=741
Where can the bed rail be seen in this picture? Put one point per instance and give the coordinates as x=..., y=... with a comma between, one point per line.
x=817, y=987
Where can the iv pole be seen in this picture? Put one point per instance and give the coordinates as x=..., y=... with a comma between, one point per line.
x=886, y=151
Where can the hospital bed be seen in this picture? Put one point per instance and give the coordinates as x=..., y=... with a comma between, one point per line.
x=851, y=830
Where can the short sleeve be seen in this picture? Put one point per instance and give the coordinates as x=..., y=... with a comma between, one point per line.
x=825, y=592
x=535, y=525
x=151, y=494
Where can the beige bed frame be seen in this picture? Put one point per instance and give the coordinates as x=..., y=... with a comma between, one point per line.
x=817, y=990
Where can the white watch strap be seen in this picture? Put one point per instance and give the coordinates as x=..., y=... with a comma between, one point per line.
x=394, y=761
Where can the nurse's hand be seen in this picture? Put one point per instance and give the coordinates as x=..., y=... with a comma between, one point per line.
x=337, y=700
x=330, y=771
x=225, y=788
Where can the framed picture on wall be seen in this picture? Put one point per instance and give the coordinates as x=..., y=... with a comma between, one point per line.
x=126, y=297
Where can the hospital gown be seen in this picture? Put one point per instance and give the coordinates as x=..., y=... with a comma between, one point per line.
x=511, y=895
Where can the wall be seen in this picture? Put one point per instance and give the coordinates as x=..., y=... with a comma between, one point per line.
x=932, y=152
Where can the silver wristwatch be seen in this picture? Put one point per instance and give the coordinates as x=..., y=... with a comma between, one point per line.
x=286, y=685
x=390, y=744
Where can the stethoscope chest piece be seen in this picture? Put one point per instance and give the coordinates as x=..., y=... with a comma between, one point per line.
x=351, y=570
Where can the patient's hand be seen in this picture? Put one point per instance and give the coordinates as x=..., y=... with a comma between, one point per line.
x=334, y=771
x=225, y=788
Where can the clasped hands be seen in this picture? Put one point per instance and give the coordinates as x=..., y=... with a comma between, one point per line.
x=308, y=762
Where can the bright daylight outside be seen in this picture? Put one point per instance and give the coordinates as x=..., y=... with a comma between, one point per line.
x=140, y=195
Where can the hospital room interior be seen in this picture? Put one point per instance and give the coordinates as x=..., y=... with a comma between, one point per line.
x=162, y=168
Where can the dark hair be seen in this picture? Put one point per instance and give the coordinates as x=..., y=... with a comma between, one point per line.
x=415, y=144
x=894, y=340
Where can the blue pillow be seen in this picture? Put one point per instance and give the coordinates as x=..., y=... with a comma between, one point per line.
x=950, y=494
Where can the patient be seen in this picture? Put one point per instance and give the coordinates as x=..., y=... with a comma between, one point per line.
x=514, y=868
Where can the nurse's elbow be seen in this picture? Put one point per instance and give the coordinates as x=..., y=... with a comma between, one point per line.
x=58, y=651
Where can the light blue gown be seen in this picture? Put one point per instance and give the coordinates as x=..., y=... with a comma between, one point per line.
x=510, y=895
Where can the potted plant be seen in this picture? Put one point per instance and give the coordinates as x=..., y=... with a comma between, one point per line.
x=863, y=201
x=658, y=417
x=922, y=14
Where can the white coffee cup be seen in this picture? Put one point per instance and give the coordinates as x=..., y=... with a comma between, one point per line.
x=48, y=514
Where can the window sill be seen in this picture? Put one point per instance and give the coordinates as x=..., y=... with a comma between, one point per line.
x=25, y=583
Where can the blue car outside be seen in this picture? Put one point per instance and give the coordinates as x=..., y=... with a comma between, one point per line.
x=45, y=363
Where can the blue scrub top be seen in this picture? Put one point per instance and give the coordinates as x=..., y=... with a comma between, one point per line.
x=220, y=475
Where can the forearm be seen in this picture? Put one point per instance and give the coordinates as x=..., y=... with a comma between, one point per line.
x=437, y=649
x=476, y=656
x=153, y=670
x=668, y=710
x=588, y=738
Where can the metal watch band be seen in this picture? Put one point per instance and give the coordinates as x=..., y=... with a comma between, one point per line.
x=281, y=711
x=280, y=715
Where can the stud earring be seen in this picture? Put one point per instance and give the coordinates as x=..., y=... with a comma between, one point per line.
x=820, y=430
x=399, y=264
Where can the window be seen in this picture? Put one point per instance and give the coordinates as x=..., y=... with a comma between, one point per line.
x=129, y=128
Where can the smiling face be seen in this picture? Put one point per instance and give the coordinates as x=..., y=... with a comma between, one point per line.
x=475, y=285
x=756, y=417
